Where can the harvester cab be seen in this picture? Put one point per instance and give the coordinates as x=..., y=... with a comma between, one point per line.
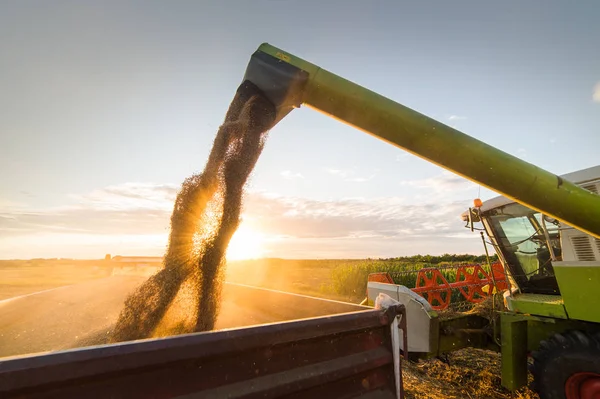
x=531, y=245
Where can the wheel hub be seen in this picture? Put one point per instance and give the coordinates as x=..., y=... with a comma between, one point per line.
x=583, y=386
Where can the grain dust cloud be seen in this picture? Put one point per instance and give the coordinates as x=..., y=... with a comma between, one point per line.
x=205, y=216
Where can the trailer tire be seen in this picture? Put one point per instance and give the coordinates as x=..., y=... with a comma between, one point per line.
x=567, y=366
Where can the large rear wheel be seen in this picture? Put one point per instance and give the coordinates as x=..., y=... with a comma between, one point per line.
x=567, y=366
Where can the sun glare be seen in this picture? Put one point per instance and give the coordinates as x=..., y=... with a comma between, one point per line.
x=245, y=244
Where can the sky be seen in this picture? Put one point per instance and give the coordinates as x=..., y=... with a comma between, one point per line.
x=105, y=107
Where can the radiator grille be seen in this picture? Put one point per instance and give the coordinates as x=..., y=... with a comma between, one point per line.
x=593, y=187
x=583, y=248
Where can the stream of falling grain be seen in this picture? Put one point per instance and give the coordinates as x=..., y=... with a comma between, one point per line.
x=205, y=217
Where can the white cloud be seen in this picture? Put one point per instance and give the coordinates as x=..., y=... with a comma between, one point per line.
x=596, y=94
x=129, y=196
x=359, y=179
x=343, y=218
x=287, y=174
x=123, y=209
x=444, y=182
x=6, y=205
x=108, y=220
x=338, y=172
x=456, y=118
x=403, y=157
x=350, y=175
x=359, y=227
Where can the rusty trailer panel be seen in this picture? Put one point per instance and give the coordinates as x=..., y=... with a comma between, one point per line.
x=341, y=356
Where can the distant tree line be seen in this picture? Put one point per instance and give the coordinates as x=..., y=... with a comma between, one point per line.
x=445, y=258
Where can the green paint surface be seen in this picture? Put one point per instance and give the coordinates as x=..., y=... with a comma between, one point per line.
x=539, y=305
x=444, y=146
x=580, y=288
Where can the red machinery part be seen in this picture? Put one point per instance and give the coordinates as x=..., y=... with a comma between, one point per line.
x=473, y=282
x=499, y=276
x=583, y=386
x=380, y=277
x=470, y=281
x=433, y=286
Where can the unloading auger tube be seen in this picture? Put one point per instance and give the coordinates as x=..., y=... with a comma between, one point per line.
x=289, y=82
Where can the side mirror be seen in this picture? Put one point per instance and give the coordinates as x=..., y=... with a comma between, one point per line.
x=473, y=217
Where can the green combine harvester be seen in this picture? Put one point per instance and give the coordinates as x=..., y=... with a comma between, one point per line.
x=552, y=313
x=553, y=305
x=552, y=272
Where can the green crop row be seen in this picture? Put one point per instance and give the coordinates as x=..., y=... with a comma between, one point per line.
x=350, y=278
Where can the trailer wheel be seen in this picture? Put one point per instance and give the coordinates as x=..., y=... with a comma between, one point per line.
x=567, y=366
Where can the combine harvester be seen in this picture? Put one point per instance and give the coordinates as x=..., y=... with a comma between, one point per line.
x=357, y=354
x=548, y=275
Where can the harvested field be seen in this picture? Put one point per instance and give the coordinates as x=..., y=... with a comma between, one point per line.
x=22, y=277
x=468, y=373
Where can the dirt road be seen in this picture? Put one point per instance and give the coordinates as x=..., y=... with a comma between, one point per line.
x=83, y=314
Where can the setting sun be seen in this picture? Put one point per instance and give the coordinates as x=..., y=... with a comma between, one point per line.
x=245, y=244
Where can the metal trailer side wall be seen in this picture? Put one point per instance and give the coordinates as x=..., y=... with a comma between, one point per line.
x=349, y=355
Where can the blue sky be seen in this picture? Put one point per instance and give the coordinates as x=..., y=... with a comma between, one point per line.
x=105, y=107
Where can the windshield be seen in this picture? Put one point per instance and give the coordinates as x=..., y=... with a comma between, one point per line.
x=528, y=250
